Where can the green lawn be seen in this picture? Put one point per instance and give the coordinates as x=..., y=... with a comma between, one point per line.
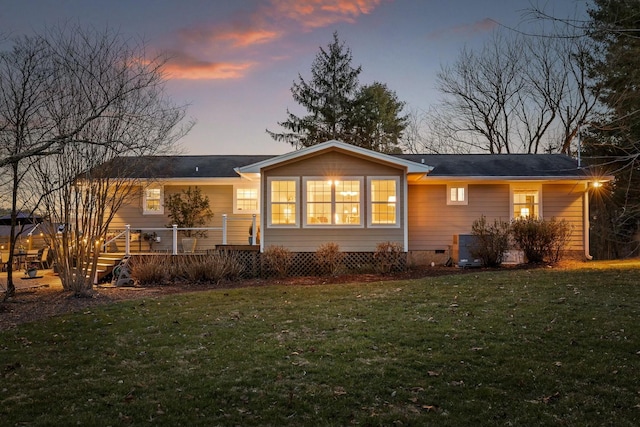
x=514, y=347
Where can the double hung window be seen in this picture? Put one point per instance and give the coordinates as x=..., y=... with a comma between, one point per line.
x=384, y=201
x=525, y=202
x=245, y=199
x=333, y=202
x=152, y=201
x=283, y=202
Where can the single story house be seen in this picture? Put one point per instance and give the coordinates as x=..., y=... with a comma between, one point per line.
x=357, y=198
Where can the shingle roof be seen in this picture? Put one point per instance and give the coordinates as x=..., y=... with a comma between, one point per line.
x=186, y=166
x=499, y=165
x=445, y=165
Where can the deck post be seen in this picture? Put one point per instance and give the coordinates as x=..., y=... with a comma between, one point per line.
x=127, y=240
x=174, y=250
x=224, y=229
x=254, y=230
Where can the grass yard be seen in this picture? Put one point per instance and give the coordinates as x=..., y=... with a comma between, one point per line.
x=515, y=347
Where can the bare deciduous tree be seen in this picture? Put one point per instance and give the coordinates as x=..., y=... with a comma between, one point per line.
x=99, y=97
x=518, y=94
x=23, y=122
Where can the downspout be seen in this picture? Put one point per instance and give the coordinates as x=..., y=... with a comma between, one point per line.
x=585, y=218
x=405, y=213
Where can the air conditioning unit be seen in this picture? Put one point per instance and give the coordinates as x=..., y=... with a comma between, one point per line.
x=462, y=245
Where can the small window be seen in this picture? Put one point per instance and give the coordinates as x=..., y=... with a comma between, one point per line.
x=457, y=194
x=152, y=201
x=283, y=201
x=245, y=199
x=525, y=202
x=384, y=201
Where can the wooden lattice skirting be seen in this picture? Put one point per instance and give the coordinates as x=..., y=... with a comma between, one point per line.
x=305, y=264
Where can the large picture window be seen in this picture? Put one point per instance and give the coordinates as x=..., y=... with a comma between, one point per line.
x=283, y=202
x=384, y=201
x=333, y=201
x=152, y=201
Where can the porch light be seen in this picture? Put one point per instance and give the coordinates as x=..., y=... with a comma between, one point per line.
x=596, y=184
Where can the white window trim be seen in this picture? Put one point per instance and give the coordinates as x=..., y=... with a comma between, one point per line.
x=305, y=224
x=144, y=200
x=398, y=202
x=458, y=202
x=296, y=223
x=533, y=186
x=236, y=187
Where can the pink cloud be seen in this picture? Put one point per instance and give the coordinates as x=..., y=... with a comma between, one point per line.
x=321, y=13
x=482, y=26
x=262, y=26
x=181, y=66
x=229, y=37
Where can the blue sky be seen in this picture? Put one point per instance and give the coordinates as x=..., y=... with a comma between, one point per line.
x=233, y=62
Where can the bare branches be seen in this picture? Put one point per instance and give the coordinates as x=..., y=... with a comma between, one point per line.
x=518, y=94
x=72, y=99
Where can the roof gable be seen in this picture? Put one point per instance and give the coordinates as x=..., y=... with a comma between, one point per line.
x=410, y=166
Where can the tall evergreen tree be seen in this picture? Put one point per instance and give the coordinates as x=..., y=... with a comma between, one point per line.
x=377, y=123
x=338, y=108
x=327, y=97
x=614, y=140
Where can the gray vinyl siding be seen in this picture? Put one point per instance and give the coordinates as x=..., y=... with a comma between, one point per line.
x=221, y=202
x=433, y=223
x=564, y=201
x=337, y=165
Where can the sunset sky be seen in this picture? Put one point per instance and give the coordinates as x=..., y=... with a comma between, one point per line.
x=233, y=62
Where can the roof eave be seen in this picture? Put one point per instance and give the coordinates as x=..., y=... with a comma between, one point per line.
x=459, y=178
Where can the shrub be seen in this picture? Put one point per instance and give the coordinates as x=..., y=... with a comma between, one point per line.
x=329, y=258
x=491, y=241
x=223, y=266
x=149, y=270
x=189, y=209
x=277, y=261
x=389, y=257
x=541, y=240
x=212, y=268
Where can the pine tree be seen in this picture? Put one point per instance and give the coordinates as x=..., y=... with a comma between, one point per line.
x=338, y=108
x=376, y=120
x=328, y=98
x=614, y=141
